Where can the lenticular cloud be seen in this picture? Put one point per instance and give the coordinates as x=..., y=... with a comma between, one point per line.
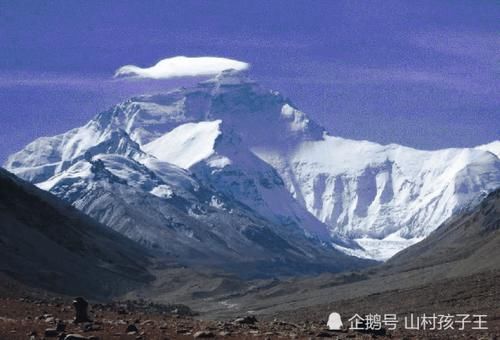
x=182, y=67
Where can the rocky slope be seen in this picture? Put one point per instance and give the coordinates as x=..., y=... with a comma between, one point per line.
x=46, y=243
x=465, y=244
x=454, y=270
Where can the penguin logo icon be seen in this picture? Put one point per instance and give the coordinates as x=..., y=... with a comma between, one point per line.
x=334, y=322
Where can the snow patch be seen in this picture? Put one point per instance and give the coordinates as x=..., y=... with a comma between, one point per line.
x=298, y=119
x=218, y=162
x=162, y=191
x=379, y=249
x=215, y=202
x=493, y=147
x=187, y=144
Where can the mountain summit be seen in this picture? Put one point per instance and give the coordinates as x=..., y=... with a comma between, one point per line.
x=227, y=165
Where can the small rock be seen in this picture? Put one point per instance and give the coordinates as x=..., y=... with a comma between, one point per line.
x=248, y=320
x=203, y=334
x=60, y=326
x=87, y=327
x=75, y=337
x=324, y=334
x=51, y=332
x=131, y=328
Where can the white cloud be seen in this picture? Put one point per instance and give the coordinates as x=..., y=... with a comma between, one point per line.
x=182, y=67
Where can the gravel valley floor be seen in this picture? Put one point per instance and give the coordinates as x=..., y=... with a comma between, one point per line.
x=39, y=317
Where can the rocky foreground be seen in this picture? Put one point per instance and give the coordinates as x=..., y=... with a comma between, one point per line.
x=28, y=318
x=53, y=318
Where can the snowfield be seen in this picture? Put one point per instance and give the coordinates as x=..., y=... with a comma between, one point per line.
x=186, y=145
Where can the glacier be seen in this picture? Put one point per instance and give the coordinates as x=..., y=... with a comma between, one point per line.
x=227, y=147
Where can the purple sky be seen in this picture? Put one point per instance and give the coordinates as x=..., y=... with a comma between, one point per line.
x=423, y=74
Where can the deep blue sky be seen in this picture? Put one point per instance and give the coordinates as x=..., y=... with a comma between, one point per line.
x=423, y=74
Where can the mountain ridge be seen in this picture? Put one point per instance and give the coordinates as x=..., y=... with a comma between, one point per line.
x=260, y=151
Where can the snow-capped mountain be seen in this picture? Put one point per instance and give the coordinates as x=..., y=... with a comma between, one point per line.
x=213, y=159
x=169, y=210
x=384, y=197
